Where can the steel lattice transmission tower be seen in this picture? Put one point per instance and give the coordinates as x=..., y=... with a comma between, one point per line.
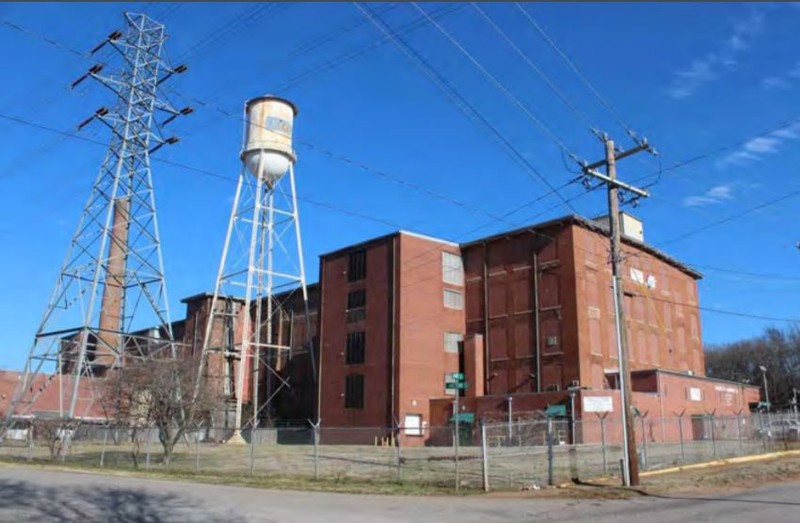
x=262, y=268
x=110, y=301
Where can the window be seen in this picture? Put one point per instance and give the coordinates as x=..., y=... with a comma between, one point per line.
x=354, y=391
x=356, y=305
x=453, y=299
x=552, y=388
x=452, y=269
x=357, y=265
x=354, y=353
x=452, y=340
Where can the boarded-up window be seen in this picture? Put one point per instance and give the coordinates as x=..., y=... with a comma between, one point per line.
x=497, y=340
x=694, y=329
x=667, y=318
x=497, y=295
x=523, y=341
x=612, y=341
x=680, y=340
x=595, y=336
x=549, y=291
x=475, y=300
x=522, y=291
x=641, y=343
x=653, y=348
x=592, y=289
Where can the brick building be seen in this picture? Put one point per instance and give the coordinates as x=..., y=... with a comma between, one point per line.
x=531, y=308
x=534, y=310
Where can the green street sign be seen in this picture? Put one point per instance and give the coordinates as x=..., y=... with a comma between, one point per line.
x=458, y=376
x=456, y=385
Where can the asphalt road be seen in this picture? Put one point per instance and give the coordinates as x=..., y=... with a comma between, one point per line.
x=50, y=496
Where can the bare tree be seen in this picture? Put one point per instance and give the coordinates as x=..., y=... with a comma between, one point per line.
x=54, y=432
x=777, y=350
x=159, y=393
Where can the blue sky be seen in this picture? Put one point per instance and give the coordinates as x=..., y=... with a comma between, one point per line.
x=692, y=78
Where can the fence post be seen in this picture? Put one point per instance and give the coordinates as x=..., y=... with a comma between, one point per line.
x=316, y=450
x=103, y=450
x=253, y=435
x=713, y=435
x=603, y=440
x=644, y=440
x=485, y=458
x=550, y=481
x=197, y=450
x=680, y=433
x=147, y=449
x=398, y=456
x=739, y=431
x=30, y=444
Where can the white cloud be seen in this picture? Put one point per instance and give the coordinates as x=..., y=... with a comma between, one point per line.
x=715, y=195
x=707, y=68
x=755, y=148
x=721, y=192
x=762, y=145
x=774, y=82
x=698, y=201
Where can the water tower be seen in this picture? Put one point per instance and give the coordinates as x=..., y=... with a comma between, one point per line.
x=261, y=267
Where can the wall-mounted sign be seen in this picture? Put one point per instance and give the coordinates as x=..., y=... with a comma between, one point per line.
x=598, y=404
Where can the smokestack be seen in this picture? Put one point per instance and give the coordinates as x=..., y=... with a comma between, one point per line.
x=111, y=308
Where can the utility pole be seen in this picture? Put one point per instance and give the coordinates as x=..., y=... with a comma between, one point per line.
x=631, y=469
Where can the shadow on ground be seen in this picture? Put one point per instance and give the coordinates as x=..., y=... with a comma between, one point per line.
x=30, y=502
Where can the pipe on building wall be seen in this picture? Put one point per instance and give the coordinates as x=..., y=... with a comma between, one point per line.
x=537, y=322
x=661, y=403
x=486, y=354
x=393, y=335
x=320, y=343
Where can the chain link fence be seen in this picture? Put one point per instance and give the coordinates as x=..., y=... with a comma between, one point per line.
x=524, y=453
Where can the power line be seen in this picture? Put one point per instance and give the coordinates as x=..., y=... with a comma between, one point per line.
x=333, y=35
x=576, y=70
x=343, y=58
x=558, y=92
x=499, y=85
x=732, y=217
x=724, y=311
x=44, y=38
x=461, y=103
x=328, y=206
x=724, y=148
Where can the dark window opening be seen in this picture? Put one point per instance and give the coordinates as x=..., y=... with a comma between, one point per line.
x=354, y=353
x=357, y=266
x=354, y=391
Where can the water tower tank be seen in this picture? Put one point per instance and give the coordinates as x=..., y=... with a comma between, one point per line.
x=268, y=140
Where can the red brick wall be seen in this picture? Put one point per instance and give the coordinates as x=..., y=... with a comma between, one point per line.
x=333, y=337
x=422, y=322
x=660, y=333
x=511, y=335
